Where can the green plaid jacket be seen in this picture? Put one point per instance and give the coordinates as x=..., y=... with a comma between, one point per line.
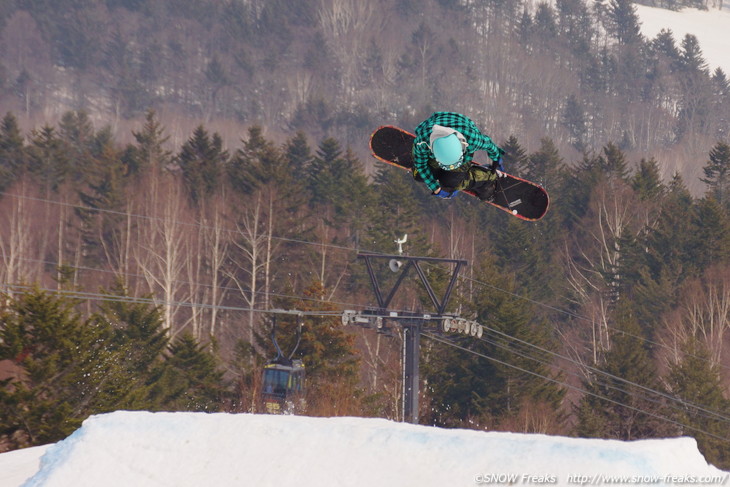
x=422, y=154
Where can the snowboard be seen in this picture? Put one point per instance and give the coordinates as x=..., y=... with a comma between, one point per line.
x=516, y=196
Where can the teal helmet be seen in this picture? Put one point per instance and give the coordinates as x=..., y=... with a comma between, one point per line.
x=448, y=151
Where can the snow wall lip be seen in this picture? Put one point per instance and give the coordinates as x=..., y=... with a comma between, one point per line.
x=199, y=449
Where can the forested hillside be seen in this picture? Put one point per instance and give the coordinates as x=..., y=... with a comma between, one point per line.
x=136, y=265
x=579, y=73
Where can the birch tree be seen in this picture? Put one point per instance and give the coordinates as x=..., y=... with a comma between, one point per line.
x=25, y=234
x=250, y=242
x=594, y=261
x=703, y=314
x=163, y=247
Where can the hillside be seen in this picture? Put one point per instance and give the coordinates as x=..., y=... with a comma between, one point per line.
x=340, y=67
x=709, y=26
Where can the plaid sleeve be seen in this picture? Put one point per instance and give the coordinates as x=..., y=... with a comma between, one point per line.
x=421, y=156
x=483, y=142
x=474, y=137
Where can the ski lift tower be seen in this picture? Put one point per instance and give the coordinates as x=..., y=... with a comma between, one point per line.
x=412, y=323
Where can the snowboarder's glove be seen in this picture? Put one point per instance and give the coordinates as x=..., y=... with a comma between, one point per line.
x=498, y=165
x=447, y=195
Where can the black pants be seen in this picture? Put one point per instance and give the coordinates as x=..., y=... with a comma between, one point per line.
x=475, y=178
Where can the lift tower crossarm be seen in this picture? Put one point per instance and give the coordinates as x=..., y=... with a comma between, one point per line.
x=384, y=302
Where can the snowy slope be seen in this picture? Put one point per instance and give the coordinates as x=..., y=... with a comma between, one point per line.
x=17, y=466
x=711, y=27
x=194, y=449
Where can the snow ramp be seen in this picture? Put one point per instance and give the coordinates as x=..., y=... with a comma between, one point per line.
x=196, y=449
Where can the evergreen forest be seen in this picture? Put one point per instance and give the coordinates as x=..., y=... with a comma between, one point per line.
x=174, y=172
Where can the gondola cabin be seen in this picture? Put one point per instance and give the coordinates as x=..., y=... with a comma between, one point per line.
x=283, y=386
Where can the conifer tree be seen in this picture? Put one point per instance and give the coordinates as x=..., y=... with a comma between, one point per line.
x=259, y=163
x=711, y=240
x=13, y=161
x=575, y=123
x=103, y=201
x=298, y=155
x=68, y=370
x=665, y=45
x=721, y=84
x=670, y=242
x=696, y=97
x=544, y=23
x=338, y=181
x=575, y=25
x=695, y=381
x=140, y=341
x=327, y=350
x=545, y=165
x=515, y=156
x=188, y=379
x=692, y=61
x=613, y=162
x=619, y=402
x=326, y=172
x=717, y=174
x=623, y=22
x=149, y=151
x=525, y=27
x=48, y=157
x=579, y=186
x=523, y=252
x=202, y=159
x=464, y=386
x=650, y=297
x=77, y=132
x=647, y=181
x=395, y=212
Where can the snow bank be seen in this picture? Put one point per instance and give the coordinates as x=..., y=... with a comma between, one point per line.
x=17, y=466
x=189, y=449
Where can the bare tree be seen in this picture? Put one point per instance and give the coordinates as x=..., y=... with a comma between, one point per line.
x=24, y=235
x=163, y=246
x=251, y=241
x=593, y=262
x=209, y=252
x=704, y=314
x=347, y=26
x=216, y=244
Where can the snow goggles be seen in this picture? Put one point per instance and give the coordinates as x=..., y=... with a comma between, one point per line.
x=451, y=167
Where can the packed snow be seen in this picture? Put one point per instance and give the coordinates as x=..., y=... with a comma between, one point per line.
x=711, y=27
x=197, y=449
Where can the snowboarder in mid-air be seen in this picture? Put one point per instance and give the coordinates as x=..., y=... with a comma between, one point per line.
x=442, y=156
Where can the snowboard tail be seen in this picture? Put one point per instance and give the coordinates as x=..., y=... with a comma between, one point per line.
x=519, y=197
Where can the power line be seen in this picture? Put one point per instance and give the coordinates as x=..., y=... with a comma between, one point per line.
x=156, y=302
x=325, y=245
x=333, y=246
x=571, y=386
x=704, y=412
x=603, y=378
x=578, y=317
x=174, y=222
x=177, y=281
